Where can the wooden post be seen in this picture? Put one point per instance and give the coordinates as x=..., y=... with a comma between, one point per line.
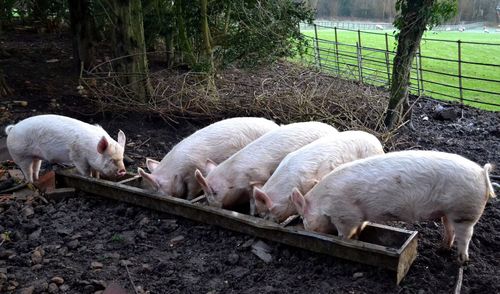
x=337, y=52
x=420, y=69
x=358, y=53
x=360, y=58
x=316, y=43
x=460, y=72
x=387, y=60
x=418, y=73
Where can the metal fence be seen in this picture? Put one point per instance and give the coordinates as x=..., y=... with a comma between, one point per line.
x=469, y=80
x=359, y=25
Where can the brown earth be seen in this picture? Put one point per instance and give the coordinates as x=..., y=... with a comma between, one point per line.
x=166, y=254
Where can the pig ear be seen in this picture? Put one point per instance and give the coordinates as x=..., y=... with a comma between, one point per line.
x=121, y=138
x=261, y=196
x=201, y=180
x=102, y=145
x=152, y=164
x=210, y=165
x=149, y=178
x=256, y=184
x=298, y=200
x=311, y=183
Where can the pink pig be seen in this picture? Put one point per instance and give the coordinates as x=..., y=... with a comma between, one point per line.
x=307, y=166
x=400, y=186
x=61, y=139
x=230, y=183
x=174, y=175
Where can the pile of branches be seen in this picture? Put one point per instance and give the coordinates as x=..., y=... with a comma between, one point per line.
x=285, y=92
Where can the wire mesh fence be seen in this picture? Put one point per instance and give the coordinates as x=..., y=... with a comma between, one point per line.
x=463, y=71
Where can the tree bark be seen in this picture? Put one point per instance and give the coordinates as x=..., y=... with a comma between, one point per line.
x=184, y=43
x=206, y=35
x=128, y=43
x=2, y=15
x=81, y=29
x=170, y=47
x=409, y=39
x=40, y=10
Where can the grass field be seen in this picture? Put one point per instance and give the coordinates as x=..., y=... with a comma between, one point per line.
x=375, y=67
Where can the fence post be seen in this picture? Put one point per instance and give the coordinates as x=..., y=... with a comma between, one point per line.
x=387, y=61
x=360, y=58
x=420, y=69
x=417, y=72
x=358, y=53
x=460, y=71
x=337, y=52
x=316, y=43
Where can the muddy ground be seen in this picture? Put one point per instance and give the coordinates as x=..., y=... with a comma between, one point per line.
x=84, y=244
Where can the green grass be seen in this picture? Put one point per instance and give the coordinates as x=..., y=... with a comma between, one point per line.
x=375, y=71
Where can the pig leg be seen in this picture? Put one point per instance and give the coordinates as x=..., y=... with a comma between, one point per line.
x=83, y=168
x=37, y=162
x=81, y=164
x=26, y=165
x=359, y=230
x=463, y=234
x=94, y=174
x=448, y=234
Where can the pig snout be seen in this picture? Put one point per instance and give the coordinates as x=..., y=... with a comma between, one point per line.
x=212, y=202
x=121, y=172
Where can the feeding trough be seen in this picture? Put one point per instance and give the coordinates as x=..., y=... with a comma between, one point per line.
x=379, y=245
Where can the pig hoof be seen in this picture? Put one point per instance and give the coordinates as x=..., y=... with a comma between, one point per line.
x=445, y=245
x=444, y=249
x=463, y=258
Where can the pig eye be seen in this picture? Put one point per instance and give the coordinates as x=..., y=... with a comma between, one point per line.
x=230, y=187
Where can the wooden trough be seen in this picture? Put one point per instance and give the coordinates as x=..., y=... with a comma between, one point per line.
x=379, y=245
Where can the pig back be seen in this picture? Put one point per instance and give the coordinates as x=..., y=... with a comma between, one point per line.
x=406, y=185
x=51, y=137
x=272, y=147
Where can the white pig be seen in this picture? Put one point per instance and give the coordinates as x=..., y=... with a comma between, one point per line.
x=61, y=139
x=174, y=175
x=306, y=166
x=230, y=183
x=405, y=186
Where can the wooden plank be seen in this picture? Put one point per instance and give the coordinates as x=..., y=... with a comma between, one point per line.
x=387, y=247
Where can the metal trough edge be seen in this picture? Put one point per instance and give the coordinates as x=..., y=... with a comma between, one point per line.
x=398, y=260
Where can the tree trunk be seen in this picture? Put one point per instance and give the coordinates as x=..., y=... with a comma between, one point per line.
x=170, y=47
x=40, y=10
x=2, y=15
x=81, y=29
x=206, y=35
x=184, y=44
x=408, y=41
x=5, y=90
x=128, y=43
